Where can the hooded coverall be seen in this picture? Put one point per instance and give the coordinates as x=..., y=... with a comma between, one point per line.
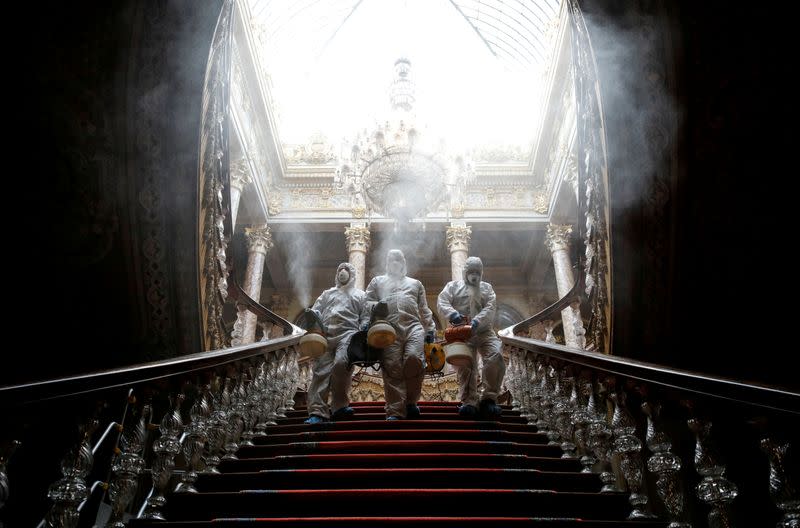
x=479, y=303
x=403, y=362
x=342, y=311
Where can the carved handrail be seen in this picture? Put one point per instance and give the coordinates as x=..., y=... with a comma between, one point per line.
x=196, y=405
x=145, y=372
x=575, y=293
x=738, y=391
x=236, y=293
x=691, y=448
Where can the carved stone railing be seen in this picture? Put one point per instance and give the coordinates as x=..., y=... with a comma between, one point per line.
x=126, y=439
x=688, y=448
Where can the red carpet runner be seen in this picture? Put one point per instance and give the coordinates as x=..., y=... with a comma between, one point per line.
x=439, y=470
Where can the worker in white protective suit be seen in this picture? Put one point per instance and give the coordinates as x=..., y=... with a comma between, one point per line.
x=403, y=362
x=474, y=298
x=342, y=311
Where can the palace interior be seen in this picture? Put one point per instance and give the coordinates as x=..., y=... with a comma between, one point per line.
x=199, y=170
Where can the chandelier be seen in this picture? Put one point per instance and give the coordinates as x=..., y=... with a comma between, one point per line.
x=391, y=172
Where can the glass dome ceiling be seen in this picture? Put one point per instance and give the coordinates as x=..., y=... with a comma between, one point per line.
x=477, y=66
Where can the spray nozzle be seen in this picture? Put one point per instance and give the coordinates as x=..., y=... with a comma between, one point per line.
x=313, y=321
x=380, y=311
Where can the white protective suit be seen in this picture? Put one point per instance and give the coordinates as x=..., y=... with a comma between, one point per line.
x=479, y=303
x=343, y=311
x=403, y=363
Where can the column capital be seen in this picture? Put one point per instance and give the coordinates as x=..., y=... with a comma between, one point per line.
x=259, y=239
x=458, y=237
x=240, y=174
x=358, y=238
x=557, y=237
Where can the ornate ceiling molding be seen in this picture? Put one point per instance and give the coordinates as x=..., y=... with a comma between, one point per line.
x=318, y=151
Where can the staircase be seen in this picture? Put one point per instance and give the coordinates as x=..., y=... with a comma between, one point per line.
x=440, y=470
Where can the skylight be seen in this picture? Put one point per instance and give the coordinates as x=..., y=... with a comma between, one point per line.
x=476, y=66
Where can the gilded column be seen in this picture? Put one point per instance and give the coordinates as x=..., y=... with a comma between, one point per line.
x=557, y=241
x=259, y=241
x=358, y=240
x=458, y=237
x=240, y=177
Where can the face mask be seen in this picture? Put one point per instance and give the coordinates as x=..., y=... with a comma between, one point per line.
x=473, y=278
x=343, y=276
x=395, y=267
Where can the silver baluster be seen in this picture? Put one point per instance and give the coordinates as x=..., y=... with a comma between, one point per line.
x=548, y=405
x=69, y=492
x=261, y=399
x=577, y=323
x=549, y=325
x=281, y=383
x=305, y=374
x=165, y=448
x=5, y=456
x=195, y=441
x=126, y=468
x=666, y=466
x=536, y=381
x=714, y=489
x=563, y=411
x=513, y=381
x=782, y=488
x=627, y=445
x=293, y=370
x=522, y=387
x=236, y=420
x=528, y=382
x=217, y=425
x=249, y=409
x=600, y=435
x=274, y=393
x=510, y=382
x=582, y=419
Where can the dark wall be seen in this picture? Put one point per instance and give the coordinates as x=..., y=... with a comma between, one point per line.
x=104, y=269
x=696, y=110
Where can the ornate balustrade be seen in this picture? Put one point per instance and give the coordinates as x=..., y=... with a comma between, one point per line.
x=694, y=449
x=125, y=438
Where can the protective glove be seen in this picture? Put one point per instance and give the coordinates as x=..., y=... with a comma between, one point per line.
x=475, y=324
x=456, y=318
x=429, y=336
